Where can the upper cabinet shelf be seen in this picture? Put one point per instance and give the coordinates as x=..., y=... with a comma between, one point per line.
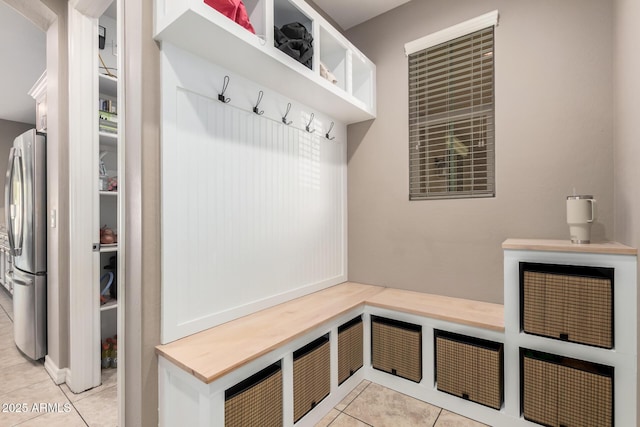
x=196, y=27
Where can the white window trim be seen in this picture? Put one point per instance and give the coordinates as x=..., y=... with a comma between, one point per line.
x=458, y=30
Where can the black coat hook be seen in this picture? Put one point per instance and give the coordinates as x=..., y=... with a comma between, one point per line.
x=284, y=118
x=225, y=85
x=255, y=109
x=330, y=138
x=308, y=127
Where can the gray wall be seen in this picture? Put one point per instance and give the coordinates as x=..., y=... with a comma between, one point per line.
x=58, y=185
x=8, y=132
x=626, y=112
x=141, y=205
x=553, y=133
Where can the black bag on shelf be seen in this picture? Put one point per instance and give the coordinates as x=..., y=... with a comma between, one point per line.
x=296, y=31
x=296, y=41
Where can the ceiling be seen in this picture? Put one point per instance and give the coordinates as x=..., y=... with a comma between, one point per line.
x=23, y=53
x=23, y=49
x=349, y=13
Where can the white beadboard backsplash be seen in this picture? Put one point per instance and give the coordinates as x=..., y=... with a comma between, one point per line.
x=253, y=211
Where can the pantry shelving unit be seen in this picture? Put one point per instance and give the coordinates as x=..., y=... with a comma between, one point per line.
x=200, y=29
x=108, y=202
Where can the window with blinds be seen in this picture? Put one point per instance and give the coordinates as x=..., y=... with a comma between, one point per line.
x=451, y=119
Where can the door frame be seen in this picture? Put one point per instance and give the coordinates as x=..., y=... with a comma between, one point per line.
x=78, y=332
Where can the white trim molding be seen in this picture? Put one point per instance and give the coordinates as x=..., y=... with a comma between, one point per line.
x=58, y=375
x=39, y=89
x=84, y=264
x=458, y=30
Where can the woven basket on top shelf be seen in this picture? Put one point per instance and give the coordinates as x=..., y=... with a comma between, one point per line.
x=568, y=306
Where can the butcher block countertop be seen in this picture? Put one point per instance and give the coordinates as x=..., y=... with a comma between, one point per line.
x=566, y=246
x=213, y=353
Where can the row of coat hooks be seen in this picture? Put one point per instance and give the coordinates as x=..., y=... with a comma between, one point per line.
x=259, y=112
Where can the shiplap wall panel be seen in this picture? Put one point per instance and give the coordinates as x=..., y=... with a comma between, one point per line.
x=254, y=211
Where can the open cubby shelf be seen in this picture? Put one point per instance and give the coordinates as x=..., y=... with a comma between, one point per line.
x=200, y=29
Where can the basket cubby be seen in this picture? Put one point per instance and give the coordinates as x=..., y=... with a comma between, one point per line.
x=571, y=303
x=470, y=368
x=559, y=391
x=350, y=348
x=256, y=401
x=396, y=347
x=311, y=376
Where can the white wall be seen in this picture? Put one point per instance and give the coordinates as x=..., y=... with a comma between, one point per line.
x=254, y=211
x=553, y=80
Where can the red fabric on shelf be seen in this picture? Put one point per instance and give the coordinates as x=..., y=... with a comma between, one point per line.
x=234, y=10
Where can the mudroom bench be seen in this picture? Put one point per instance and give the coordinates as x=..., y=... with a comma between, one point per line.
x=314, y=350
x=569, y=317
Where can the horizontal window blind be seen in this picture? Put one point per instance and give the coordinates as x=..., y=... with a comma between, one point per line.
x=451, y=119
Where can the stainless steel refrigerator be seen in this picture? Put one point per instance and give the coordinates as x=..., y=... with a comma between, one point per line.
x=26, y=217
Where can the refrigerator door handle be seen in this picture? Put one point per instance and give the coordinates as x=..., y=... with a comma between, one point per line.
x=15, y=245
x=7, y=183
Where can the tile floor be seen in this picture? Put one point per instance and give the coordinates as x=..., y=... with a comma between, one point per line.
x=370, y=404
x=25, y=382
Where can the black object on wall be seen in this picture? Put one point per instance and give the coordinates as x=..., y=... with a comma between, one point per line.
x=102, y=35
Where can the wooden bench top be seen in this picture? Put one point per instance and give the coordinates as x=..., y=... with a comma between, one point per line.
x=468, y=312
x=213, y=353
x=210, y=354
x=613, y=248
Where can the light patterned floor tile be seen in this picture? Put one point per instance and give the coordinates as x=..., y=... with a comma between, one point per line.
x=100, y=409
x=21, y=375
x=56, y=419
x=32, y=401
x=352, y=395
x=328, y=419
x=109, y=379
x=6, y=303
x=449, y=419
x=10, y=355
x=344, y=420
x=6, y=333
x=381, y=407
x=4, y=318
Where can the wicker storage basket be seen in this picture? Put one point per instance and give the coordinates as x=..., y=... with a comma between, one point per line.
x=470, y=368
x=560, y=392
x=256, y=401
x=396, y=348
x=311, y=376
x=568, y=303
x=350, y=348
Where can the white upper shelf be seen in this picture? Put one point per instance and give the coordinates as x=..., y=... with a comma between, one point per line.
x=198, y=28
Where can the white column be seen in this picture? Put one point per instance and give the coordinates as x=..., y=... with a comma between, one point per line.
x=84, y=319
